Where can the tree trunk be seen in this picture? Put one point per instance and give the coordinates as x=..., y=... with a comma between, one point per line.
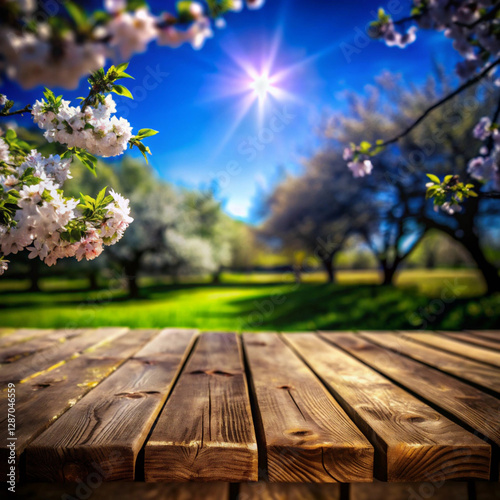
x=131, y=272
x=297, y=273
x=93, y=280
x=330, y=271
x=216, y=276
x=34, y=276
x=389, y=272
x=490, y=273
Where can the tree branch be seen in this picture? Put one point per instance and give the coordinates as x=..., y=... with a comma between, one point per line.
x=439, y=103
x=494, y=195
x=26, y=109
x=489, y=15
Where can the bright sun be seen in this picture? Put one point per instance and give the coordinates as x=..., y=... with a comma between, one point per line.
x=261, y=85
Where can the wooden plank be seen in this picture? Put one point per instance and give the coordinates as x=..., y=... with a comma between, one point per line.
x=468, y=338
x=47, y=359
x=487, y=334
x=42, y=400
x=23, y=335
x=94, y=489
x=6, y=331
x=205, y=431
x=277, y=491
x=412, y=441
x=114, y=417
x=437, y=490
x=308, y=436
x=471, y=371
x=470, y=406
x=454, y=346
x=13, y=353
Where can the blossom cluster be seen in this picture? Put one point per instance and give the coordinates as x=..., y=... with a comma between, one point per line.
x=471, y=25
x=359, y=164
x=49, y=225
x=95, y=129
x=36, y=51
x=486, y=166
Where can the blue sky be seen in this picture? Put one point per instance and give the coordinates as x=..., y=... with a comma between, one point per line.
x=189, y=96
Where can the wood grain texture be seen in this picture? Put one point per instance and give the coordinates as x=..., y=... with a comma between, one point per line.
x=487, y=334
x=454, y=346
x=42, y=400
x=468, y=405
x=469, y=338
x=22, y=335
x=93, y=489
x=308, y=436
x=45, y=359
x=482, y=375
x=205, y=431
x=14, y=353
x=106, y=429
x=412, y=441
x=294, y=491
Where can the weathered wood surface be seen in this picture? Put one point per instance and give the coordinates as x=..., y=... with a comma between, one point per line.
x=40, y=360
x=294, y=491
x=308, y=436
x=109, y=426
x=469, y=338
x=412, y=441
x=38, y=344
x=471, y=371
x=487, y=334
x=43, y=399
x=22, y=335
x=479, y=411
x=456, y=347
x=205, y=431
x=171, y=406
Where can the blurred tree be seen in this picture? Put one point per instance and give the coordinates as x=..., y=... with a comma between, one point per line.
x=318, y=210
x=443, y=143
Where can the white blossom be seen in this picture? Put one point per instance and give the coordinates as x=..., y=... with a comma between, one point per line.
x=132, y=32
x=360, y=168
x=95, y=129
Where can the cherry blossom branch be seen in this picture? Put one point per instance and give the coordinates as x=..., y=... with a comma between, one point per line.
x=494, y=195
x=439, y=103
x=489, y=15
x=26, y=109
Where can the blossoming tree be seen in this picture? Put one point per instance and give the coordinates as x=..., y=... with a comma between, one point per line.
x=474, y=27
x=57, y=44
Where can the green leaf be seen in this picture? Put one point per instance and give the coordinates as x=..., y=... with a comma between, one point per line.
x=121, y=90
x=434, y=178
x=365, y=146
x=122, y=67
x=146, y=132
x=76, y=13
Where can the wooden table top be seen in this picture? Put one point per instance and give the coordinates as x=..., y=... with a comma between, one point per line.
x=178, y=405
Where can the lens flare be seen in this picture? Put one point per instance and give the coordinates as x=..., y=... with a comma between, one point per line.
x=262, y=86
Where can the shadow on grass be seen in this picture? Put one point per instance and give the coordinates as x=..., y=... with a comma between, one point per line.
x=284, y=306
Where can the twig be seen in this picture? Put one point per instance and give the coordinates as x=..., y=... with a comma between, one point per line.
x=489, y=15
x=493, y=195
x=26, y=109
x=445, y=99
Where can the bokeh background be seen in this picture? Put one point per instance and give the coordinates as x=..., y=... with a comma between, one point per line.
x=246, y=217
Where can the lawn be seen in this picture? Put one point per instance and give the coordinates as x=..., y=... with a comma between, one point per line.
x=444, y=299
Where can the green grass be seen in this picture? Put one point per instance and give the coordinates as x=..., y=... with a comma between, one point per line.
x=422, y=299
